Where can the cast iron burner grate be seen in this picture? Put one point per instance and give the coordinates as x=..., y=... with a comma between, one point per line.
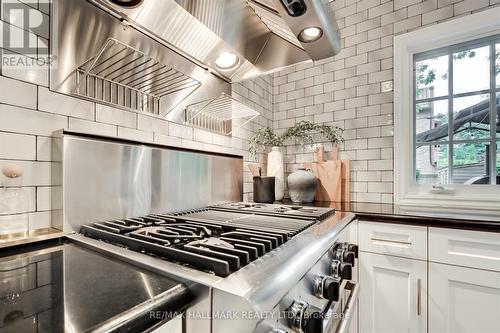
x=210, y=240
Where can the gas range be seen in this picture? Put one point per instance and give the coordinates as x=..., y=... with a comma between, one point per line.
x=299, y=270
x=270, y=266
x=215, y=241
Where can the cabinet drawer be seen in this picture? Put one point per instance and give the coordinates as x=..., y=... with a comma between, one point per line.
x=393, y=239
x=476, y=249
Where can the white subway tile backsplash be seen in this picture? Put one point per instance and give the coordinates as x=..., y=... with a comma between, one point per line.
x=66, y=105
x=437, y=15
x=203, y=136
x=43, y=198
x=133, y=134
x=369, y=176
x=91, y=127
x=110, y=115
x=468, y=6
x=408, y=24
x=21, y=120
x=152, y=124
x=43, y=148
x=17, y=146
x=17, y=93
x=167, y=140
x=36, y=74
x=385, y=8
x=380, y=187
x=424, y=7
x=189, y=144
x=40, y=220
x=180, y=131
x=34, y=173
x=323, y=117
x=381, y=165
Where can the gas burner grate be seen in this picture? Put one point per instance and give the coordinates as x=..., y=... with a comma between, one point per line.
x=290, y=211
x=193, y=238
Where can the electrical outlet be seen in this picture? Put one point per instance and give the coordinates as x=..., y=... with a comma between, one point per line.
x=386, y=86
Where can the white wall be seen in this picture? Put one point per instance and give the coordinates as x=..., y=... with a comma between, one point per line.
x=345, y=90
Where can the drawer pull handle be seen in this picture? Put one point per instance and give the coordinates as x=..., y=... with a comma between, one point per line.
x=419, y=299
x=390, y=241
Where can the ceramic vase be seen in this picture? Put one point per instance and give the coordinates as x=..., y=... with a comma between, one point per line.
x=302, y=185
x=276, y=169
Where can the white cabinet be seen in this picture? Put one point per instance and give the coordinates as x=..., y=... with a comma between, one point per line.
x=476, y=249
x=463, y=300
x=401, y=240
x=393, y=294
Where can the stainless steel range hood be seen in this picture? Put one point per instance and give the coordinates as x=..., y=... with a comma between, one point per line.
x=261, y=32
x=159, y=56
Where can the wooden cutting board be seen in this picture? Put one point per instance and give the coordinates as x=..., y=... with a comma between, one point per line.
x=346, y=180
x=329, y=174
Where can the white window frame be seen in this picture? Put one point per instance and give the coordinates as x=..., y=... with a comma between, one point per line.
x=477, y=199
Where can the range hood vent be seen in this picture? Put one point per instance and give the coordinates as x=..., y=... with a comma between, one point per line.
x=219, y=114
x=161, y=56
x=123, y=76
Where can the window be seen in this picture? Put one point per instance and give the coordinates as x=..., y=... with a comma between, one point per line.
x=456, y=113
x=446, y=116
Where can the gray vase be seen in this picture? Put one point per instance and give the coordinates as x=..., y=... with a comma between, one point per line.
x=302, y=185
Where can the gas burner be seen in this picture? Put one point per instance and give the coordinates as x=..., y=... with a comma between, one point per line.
x=281, y=209
x=165, y=235
x=212, y=241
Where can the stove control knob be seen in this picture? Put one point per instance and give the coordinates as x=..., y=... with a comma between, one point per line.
x=343, y=255
x=349, y=247
x=341, y=269
x=327, y=287
x=298, y=315
x=353, y=248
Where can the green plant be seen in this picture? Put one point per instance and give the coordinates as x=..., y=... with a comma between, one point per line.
x=303, y=132
x=264, y=137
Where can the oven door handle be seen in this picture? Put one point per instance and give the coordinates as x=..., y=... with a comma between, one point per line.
x=345, y=323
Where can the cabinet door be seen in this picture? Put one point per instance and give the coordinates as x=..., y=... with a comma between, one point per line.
x=393, y=294
x=463, y=300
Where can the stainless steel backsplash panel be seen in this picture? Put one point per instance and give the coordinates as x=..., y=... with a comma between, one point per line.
x=109, y=179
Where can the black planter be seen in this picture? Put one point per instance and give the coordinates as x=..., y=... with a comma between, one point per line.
x=263, y=189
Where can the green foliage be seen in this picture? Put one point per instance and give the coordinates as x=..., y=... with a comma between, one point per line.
x=425, y=76
x=497, y=57
x=464, y=54
x=264, y=137
x=303, y=133
x=470, y=153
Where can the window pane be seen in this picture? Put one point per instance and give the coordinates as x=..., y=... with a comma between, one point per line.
x=431, y=77
x=498, y=164
x=497, y=66
x=431, y=164
x=471, y=70
x=498, y=115
x=471, y=117
x=469, y=163
x=432, y=121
